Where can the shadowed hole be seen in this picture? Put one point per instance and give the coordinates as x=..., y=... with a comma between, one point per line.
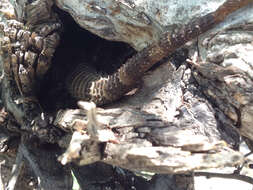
x=77, y=46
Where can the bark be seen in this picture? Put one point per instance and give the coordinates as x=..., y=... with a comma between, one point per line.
x=181, y=117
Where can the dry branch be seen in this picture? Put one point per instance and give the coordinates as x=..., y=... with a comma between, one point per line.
x=227, y=176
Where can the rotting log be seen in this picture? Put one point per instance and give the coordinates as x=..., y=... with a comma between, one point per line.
x=171, y=124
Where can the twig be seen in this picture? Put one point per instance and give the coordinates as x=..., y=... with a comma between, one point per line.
x=248, y=154
x=1, y=180
x=16, y=169
x=227, y=176
x=240, y=167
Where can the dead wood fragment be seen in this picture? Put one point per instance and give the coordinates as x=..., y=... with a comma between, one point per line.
x=227, y=176
x=27, y=50
x=16, y=170
x=225, y=75
x=1, y=178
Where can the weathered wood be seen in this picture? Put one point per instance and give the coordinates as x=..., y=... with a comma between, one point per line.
x=224, y=70
x=169, y=124
x=139, y=127
x=27, y=49
x=138, y=23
